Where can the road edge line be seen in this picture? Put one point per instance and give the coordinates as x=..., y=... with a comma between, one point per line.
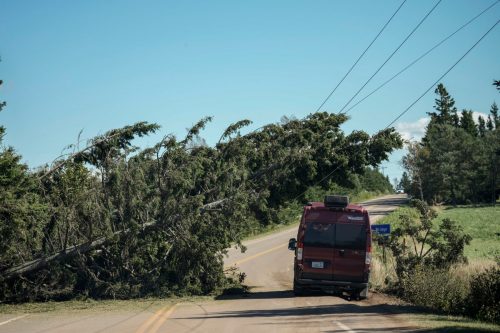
x=13, y=319
x=344, y=327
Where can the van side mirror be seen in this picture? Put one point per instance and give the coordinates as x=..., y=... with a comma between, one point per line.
x=292, y=244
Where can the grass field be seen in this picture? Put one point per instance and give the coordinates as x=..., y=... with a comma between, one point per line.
x=482, y=223
x=431, y=323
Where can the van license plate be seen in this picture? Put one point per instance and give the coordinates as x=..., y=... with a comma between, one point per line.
x=317, y=264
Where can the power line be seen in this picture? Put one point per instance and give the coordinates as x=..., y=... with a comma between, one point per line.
x=442, y=76
x=361, y=56
x=412, y=104
x=423, y=55
x=392, y=54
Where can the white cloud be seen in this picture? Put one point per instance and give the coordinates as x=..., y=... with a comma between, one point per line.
x=413, y=131
x=476, y=115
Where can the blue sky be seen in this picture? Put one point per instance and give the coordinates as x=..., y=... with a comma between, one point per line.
x=97, y=65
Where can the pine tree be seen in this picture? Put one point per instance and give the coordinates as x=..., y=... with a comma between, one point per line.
x=405, y=183
x=467, y=123
x=489, y=124
x=494, y=115
x=481, y=127
x=445, y=107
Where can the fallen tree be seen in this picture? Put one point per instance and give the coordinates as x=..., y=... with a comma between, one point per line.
x=118, y=221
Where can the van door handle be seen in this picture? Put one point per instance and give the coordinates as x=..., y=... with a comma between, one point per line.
x=342, y=252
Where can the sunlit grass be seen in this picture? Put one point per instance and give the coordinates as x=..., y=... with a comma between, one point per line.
x=482, y=223
x=91, y=305
x=452, y=324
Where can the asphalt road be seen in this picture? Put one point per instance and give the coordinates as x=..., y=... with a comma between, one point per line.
x=270, y=307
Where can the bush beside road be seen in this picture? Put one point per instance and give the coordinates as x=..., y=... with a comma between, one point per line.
x=471, y=288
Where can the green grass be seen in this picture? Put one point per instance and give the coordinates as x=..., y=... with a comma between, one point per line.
x=394, y=218
x=482, y=223
x=441, y=323
x=92, y=306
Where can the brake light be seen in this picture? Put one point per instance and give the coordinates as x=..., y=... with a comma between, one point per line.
x=368, y=258
x=299, y=253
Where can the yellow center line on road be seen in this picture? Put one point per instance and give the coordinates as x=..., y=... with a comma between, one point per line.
x=162, y=320
x=239, y=262
x=158, y=315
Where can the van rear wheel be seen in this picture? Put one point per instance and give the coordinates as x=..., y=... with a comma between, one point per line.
x=298, y=290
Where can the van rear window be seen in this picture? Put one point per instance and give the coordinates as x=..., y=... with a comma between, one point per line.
x=350, y=236
x=319, y=234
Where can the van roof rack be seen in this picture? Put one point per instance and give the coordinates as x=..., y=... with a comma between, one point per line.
x=336, y=201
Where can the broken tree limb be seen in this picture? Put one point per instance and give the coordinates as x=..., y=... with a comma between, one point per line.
x=37, y=264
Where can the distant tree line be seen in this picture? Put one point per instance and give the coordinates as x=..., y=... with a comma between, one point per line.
x=113, y=220
x=458, y=159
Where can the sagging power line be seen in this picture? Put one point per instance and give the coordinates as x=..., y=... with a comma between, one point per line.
x=392, y=54
x=412, y=104
x=423, y=55
x=442, y=76
x=359, y=58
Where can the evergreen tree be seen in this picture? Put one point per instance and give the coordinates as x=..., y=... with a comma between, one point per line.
x=481, y=127
x=445, y=107
x=467, y=123
x=494, y=115
x=489, y=124
x=405, y=183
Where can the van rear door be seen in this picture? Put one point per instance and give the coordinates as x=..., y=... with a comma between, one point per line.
x=350, y=251
x=318, y=250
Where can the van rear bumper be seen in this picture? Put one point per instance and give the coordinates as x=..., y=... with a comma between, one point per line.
x=329, y=284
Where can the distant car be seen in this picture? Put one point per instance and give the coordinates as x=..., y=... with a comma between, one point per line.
x=333, y=248
x=400, y=191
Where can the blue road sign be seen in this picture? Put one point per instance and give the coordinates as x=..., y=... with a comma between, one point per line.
x=382, y=229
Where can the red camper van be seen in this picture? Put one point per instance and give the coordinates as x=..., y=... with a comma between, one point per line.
x=333, y=248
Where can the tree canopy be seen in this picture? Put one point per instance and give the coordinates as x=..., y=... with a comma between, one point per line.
x=458, y=159
x=115, y=220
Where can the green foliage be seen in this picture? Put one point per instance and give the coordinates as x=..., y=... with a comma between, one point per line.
x=467, y=123
x=405, y=183
x=447, y=291
x=445, y=106
x=374, y=181
x=484, y=295
x=458, y=288
x=457, y=161
x=415, y=242
x=481, y=223
x=437, y=289
x=158, y=221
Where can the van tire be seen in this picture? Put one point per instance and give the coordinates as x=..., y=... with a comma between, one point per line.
x=297, y=290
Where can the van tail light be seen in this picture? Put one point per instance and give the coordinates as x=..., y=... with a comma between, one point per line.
x=300, y=249
x=368, y=258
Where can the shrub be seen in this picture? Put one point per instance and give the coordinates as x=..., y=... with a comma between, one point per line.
x=484, y=296
x=436, y=288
